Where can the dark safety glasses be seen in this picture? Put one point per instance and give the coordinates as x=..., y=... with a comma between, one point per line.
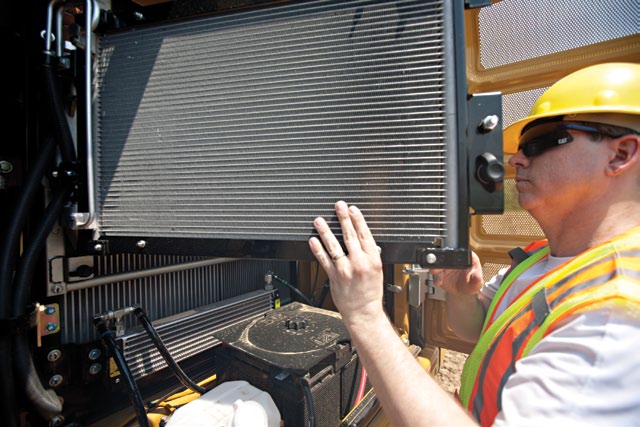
x=540, y=138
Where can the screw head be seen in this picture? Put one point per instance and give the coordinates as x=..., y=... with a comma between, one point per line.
x=95, y=353
x=141, y=244
x=5, y=166
x=97, y=247
x=95, y=369
x=54, y=355
x=56, y=289
x=51, y=327
x=55, y=380
x=431, y=258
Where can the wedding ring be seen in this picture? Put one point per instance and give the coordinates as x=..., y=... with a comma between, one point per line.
x=337, y=257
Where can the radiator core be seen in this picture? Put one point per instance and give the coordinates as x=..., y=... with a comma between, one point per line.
x=245, y=126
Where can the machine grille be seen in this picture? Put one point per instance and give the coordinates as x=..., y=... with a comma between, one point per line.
x=161, y=296
x=191, y=333
x=248, y=125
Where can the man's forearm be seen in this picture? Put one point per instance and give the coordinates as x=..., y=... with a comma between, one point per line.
x=465, y=314
x=399, y=380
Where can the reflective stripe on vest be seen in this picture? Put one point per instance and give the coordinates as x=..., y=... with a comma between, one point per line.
x=609, y=273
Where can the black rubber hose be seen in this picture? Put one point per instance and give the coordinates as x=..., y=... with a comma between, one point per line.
x=24, y=274
x=55, y=99
x=157, y=341
x=132, y=387
x=295, y=290
x=323, y=294
x=8, y=255
x=306, y=390
x=45, y=402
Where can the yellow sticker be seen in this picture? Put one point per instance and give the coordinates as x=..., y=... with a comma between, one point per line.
x=113, y=368
x=277, y=303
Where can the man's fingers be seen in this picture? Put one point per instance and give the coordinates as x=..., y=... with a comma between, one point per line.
x=330, y=242
x=365, y=238
x=348, y=232
x=321, y=255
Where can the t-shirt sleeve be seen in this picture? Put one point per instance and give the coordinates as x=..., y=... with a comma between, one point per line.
x=490, y=288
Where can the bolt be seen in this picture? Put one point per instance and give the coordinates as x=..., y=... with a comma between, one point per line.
x=56, y=289
x=5, y=166
x=97, y=247
x=50, y=310
x=56, y=421
x=489, y=122
x=54, y=174
x=54, y=355
x=95, y=368
x=141, y=244
x=51, y=327
x=55, y=380
x=95, y=353
x=431, y=258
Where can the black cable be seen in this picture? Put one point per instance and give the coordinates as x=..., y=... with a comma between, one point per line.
x=45, y=402
x=132, y=387
x=55, y=102
x=306, y=390
x=157, y=341
x=8, y=256
x=323, y=293
x=295, y=290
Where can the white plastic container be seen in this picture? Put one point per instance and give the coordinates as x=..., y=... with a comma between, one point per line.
x=231, y=404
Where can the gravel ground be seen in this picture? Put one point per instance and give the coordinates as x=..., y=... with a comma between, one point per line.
x=449, y=375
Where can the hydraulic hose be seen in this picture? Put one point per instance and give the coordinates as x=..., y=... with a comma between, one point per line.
x=62, y=133
x=306, y=390
x=8, y=255
x=132, y=387
x=323, y=294
x=302, y=297
x=45, y=402
x=164, y=352
x=362, y=388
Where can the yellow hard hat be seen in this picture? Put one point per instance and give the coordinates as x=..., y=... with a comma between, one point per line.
x=610, y=92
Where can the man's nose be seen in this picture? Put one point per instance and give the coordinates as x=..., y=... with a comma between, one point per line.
x=519, y=159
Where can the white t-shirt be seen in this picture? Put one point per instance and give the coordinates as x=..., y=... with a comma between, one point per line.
x=584, y=373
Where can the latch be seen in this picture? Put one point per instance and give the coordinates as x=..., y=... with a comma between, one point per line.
x=421, y=286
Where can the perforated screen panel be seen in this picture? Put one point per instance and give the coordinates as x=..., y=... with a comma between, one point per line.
x=517, y=30
x=248, y=125
x=515, y=221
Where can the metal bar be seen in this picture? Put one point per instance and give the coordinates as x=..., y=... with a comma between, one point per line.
x=132, y=275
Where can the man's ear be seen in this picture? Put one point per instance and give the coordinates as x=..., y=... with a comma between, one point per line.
x=625, y=154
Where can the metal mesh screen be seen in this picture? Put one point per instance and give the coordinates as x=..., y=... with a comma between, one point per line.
x=248, y=125
x=515, y=221
x=516, y=30
x=517, y=105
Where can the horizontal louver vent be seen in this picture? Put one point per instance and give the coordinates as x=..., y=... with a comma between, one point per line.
x=248, y=125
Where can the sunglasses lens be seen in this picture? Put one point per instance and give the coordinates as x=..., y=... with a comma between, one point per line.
x=539, y=139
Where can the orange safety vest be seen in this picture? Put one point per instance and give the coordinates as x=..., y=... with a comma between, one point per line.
x=608, y=273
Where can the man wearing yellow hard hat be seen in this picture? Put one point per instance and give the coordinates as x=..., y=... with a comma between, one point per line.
x=558, y=333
